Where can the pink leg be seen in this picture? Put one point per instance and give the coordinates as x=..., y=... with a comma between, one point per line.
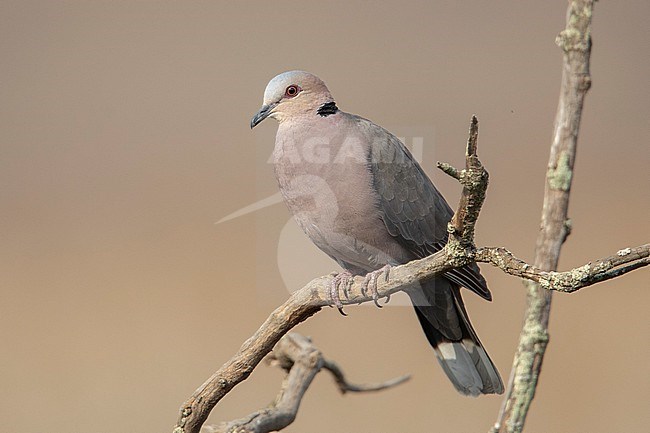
x=370, y=283
x=341, y=280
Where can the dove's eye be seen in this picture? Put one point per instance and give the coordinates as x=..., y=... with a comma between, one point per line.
x=292, y=91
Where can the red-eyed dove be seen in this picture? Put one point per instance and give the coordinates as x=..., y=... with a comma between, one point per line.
x=362, y=198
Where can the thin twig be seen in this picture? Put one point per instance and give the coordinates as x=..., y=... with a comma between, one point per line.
x=345, y=386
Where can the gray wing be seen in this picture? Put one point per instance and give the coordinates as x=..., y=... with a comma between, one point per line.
x=413, y=210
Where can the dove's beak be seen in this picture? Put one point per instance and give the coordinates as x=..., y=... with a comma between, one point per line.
x=264, y=112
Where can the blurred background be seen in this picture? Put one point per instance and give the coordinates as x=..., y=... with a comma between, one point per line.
x=124, y=138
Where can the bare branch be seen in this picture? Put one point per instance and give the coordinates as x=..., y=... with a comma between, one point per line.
x=575, y=41
x=625, y=260
x=302, y=360
x=301, y=305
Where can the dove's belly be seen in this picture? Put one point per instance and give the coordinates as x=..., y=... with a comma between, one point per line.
x=334, y=204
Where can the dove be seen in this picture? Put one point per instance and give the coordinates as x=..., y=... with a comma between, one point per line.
x=360, y=196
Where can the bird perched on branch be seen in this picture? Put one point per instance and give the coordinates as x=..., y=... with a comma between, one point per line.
x=361, y=197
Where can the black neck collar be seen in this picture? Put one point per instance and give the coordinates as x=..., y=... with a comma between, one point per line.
x=327, y=109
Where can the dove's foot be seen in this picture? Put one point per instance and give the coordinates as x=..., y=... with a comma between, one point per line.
x=341, y=280
x=370, y=283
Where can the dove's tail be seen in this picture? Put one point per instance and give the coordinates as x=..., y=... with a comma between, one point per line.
x=446, y=325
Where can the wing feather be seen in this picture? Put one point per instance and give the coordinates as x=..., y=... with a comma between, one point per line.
x=413, y=210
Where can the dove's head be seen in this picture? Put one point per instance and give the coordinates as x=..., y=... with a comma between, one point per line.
x=292, y=94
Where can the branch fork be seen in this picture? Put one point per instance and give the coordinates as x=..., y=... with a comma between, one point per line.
x=302, y=361
x=460, y=246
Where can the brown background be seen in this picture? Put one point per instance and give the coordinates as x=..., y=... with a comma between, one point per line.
x=124, y=138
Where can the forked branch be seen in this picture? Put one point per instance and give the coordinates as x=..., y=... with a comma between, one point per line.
x=302, y=361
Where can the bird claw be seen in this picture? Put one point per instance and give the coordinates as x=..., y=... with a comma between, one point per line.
x=370, y=284
x=343, y=280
